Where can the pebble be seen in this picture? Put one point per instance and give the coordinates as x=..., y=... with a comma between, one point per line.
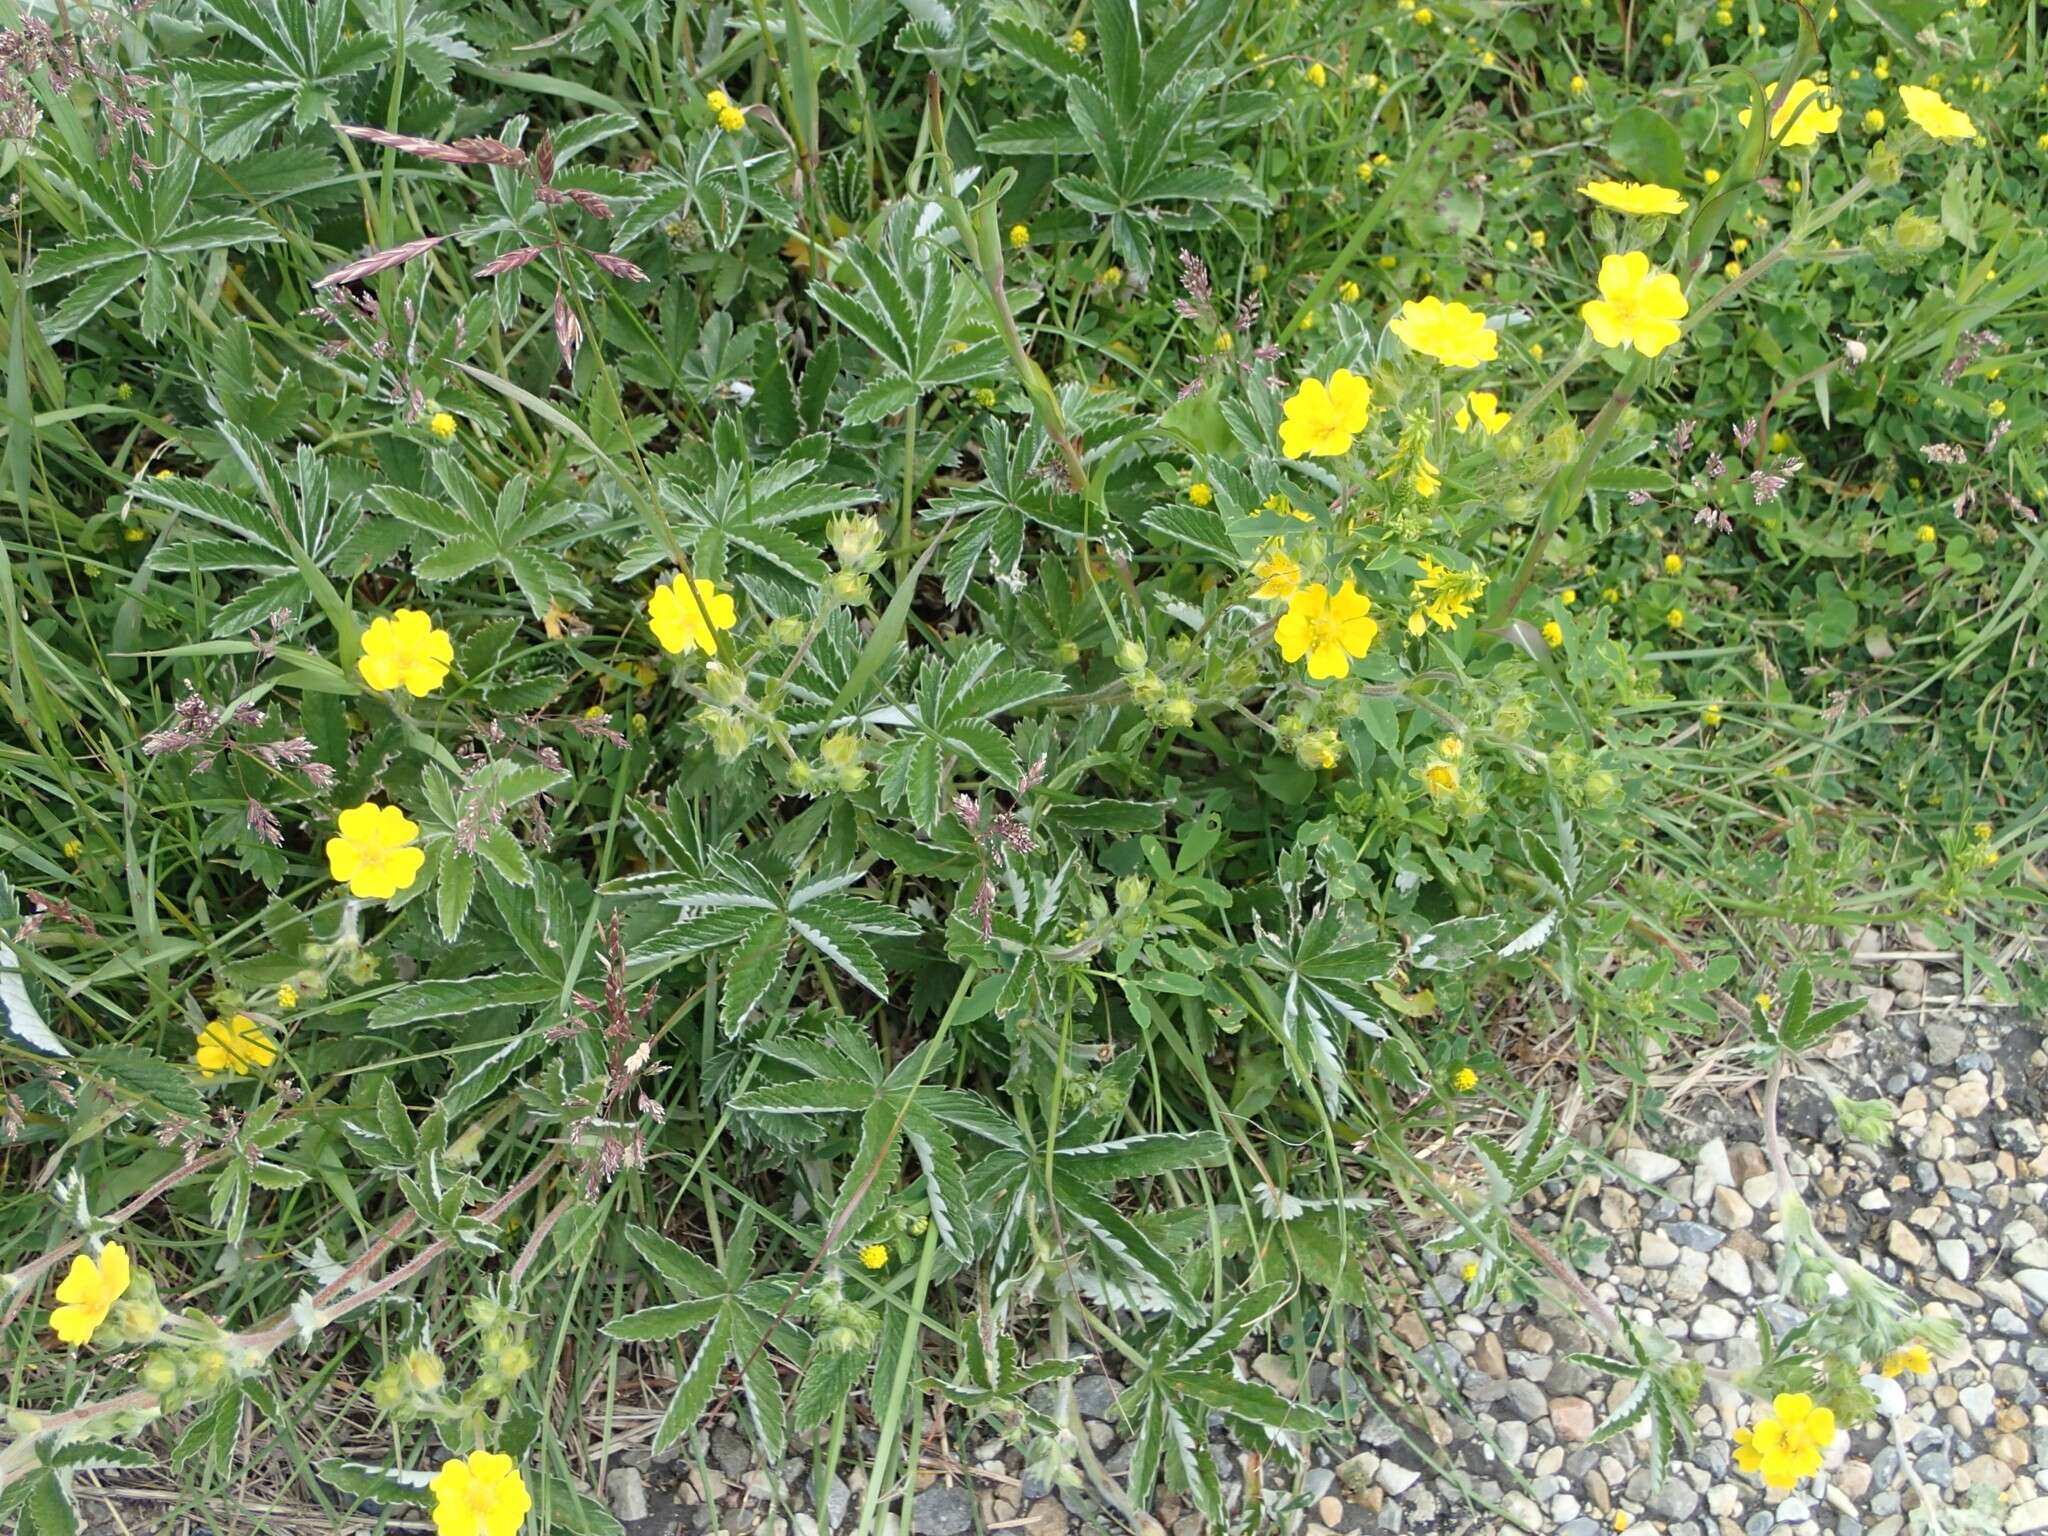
x=1730, y=1270
x=1650, y=1167
x=1713, y=1321
x=625, y=1489
x=1905, y=1244
x=943, y=1511
x=1954, y=1254
x=1572, y=1418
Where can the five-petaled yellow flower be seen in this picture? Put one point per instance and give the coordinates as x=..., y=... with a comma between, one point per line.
x=1331, y=630
x=1935, y=117
x=1637, y=307
x=1279, y=576
x=1321, y=419
x=88, y=1293
x=1481, y=408
x=1454, y=334
x=1809, y=119
x=679, y=619
x=1638, y=197
x=481, y=1494
x=406, y=651
x=874, y=1256
x=235, y=1045
x=1440, y=778
x=372, y=856
x=1788, y=1445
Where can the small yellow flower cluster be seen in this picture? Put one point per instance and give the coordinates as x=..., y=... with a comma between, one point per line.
x=1442, y=596
x=729, y=117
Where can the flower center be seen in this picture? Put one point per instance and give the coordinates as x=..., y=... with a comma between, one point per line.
x=1324, y=629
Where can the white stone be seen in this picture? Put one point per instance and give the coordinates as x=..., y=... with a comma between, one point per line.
x=1650, y=1167
x=1954, y=1254
x=1730, y=1270
x=1395, y=1478
x=1714, y=1322
x=2024, y=1519
x=1657, y=1251
x=1711, y=1171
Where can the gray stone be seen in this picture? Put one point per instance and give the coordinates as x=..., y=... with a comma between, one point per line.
x=730, y=1453
x=1945, y=1042
x=1696, y=1235
x=625, y=1489
x=1394, y=1477
x=1710, y=1171
x=1095, y=1396
x=1676, y=1500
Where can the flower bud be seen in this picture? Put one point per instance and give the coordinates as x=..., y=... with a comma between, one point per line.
x=1130, y=656
x=856, y=541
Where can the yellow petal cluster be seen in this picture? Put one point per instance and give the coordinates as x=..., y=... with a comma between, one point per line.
x=1637, y=307
x=372, y=855
x=88, y=1294
x=1330, y=629
x=235, y=1045
x=406, y=651
x=1320, y=419
x=678, y=619
x=481, y=1494
x=1456, y=335
x=1789, y=1444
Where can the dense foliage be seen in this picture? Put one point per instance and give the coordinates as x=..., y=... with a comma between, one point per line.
x=804, y=707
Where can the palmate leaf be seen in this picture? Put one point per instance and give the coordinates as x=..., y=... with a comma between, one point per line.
x=844, y=1076
x=1321, y=977
x=743, y=1322
x=907, y=311
x=951, y=717
x=303, y=54
x=755, y=526
x=522, y=531
x=755, y=915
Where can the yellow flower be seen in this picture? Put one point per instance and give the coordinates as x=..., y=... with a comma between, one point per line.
x=287, y=996
x=1637, y=307
x=88, y=1293
x=1200, y=494
x=1425, y=477
x=732, y=120
x=1279, y=577
x=1623, y=1520
x=480, y=1495
x=1464, y=1080
x=874, y=1256
x=1443, y=596
x=1020, y=236
x=1322, y=419
x=1882, y=68
x=1638, y=197
x=1365, y=170
x=1453, y=334
x=73, y=848
x=1451, y=746
x=406, y=651
x=1553, y=634
x=1873, y=120
x=441, y=424
x=1076, y=41
x=1538, y=238
x=1764, y=1000
x=1710, y=175
x=1440, y=778
x=1982, y=831
x=679, y=620
x=1610, y=594
x=1111, y=276
x=1912, y=1358
x=1710, y=716
x=1568, y=596
x=1674, y=618
x=1481, y=407
x=237, y=1046
x=371, y=856
x=1318, y=76
x=1224, y=342
x=1808, y=122
x=1329, y=630
x=717, y=101
x=1788, y=1445
x=1349, y=292
x=1935, y=117
x=1469, y=1273
x=1578, y=84
x=1673, y=563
